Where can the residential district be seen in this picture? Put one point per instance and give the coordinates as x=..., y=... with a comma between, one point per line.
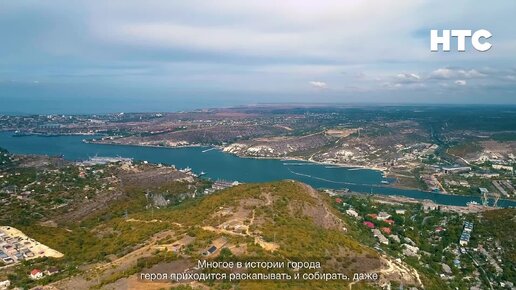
x=463, y=249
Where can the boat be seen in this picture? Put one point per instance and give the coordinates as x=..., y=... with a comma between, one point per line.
x=385, y=182
x=21, y=134
x=471, y=203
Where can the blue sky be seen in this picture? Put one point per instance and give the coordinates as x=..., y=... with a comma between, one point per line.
x=59, y=56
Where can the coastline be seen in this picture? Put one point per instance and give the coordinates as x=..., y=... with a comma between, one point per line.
x=221, y=148
x=383, y=170
x=422, y=196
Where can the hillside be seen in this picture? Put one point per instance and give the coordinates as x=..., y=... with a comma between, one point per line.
x=111, y=222
x=281, y=221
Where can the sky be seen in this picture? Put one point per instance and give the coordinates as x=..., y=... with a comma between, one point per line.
x=110, y=56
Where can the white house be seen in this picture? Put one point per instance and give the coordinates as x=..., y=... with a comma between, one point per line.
x=352, y=213
x=36, y=274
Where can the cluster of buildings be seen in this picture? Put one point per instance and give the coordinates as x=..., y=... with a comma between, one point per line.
x=220, y=185
x=37, y=274
x=382, y=216
x=97, y=160
x=466, y=233
x=14, y=249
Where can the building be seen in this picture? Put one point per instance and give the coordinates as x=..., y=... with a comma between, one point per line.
x=410, y=250
x=386, y=230
x=381, y=238
x=389, y=221
x=36, y=274
x=369, y=225
x=502, y=167
x=452, y=170
x=429, y=205
x=395, y=238
x=468, y=226
x=373, y=215
x=466, y=233
x=383, y=216
x=352, y=213
x=483, y=190
x=400, y=211
x=51, y=271
x=210, y=251
x=464, y=239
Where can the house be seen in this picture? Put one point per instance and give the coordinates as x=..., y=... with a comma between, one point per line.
x=502, y=167
x=381, y=238
x=439, y=229
x=373, y=215
x=28, y=253
x=400, y=211
x=429, y=205
x=383, y=216
x=352, y=213
x=409, y=241
x=468, y=226
x=386, y=230
x=8, y=260
x=51, y=271
x=338, y=200
x=369, y=224
x=451, y=170
x=210, y=251
x=36, y=274
x=389, y=221
x=410, y=250
x=464, y=239
x=456, y=263
x=395, y=238
x=446, y=269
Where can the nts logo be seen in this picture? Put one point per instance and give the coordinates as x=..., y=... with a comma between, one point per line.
x=461, y=35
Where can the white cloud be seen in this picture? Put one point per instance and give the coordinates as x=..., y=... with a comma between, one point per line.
x=408, y=78
x=232, y=45
x=450, y=73
x=318, y=84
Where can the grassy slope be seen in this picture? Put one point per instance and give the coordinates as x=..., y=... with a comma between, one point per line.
x=298, y=234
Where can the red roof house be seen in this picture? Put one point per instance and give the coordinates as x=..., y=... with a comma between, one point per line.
x=36, y=274
x=338, y=200
x=386, y=230
x=391, y=222
x=439, y=229
x=369, y=225
x=372, y=215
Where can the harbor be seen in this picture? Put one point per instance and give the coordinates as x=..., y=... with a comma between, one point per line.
x=218, y=165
